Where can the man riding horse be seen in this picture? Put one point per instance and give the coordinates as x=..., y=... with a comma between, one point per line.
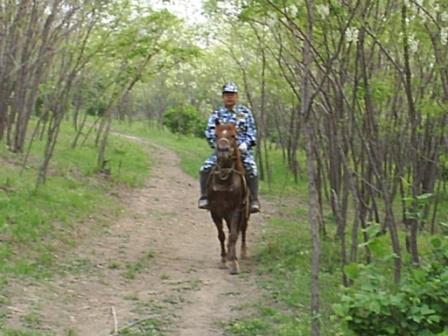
x=242, y=118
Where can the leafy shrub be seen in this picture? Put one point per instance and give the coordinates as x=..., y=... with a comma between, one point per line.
x=184, y=120
x=96, y=109
x=418, y=307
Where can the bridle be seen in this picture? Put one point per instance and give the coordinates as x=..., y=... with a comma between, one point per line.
x=223, y=173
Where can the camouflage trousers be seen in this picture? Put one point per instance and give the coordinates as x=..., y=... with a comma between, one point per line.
x=248, y=160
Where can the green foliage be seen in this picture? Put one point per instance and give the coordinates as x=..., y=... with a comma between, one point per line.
x=132, y=44
x=184, y=120
x=444, y=167
x=417, y=307
x=432, y=108
x=92, y=92
x=416, y=205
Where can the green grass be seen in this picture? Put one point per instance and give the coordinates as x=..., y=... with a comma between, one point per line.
x=34, y=223
x=127, y=161
x=13, y=332
x=133, y=268
x=283, y=260
x=147, y=327
x=37, y=224
x=191, y=150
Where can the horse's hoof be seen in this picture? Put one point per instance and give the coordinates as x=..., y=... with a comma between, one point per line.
x=223, y=264
x=234, y=268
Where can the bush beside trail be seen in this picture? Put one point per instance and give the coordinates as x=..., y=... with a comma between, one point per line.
x=184, y=120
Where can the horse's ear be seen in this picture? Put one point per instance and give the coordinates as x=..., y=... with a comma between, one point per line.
x=217, y=123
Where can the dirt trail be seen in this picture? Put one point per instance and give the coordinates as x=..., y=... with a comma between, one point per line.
x=155, y=269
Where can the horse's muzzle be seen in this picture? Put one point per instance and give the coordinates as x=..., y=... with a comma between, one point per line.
x=223, y=145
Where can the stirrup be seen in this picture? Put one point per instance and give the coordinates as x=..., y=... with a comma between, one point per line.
x=203, y=203
x=254, y=206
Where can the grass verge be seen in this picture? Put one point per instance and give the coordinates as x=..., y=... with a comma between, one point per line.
x=38, y=224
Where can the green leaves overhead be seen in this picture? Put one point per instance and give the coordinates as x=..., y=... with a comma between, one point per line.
x=135, y=42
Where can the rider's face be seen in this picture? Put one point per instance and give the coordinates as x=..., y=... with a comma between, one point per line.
x=229, y=99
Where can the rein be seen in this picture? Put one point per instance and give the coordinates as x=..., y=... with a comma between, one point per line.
x=224, y=173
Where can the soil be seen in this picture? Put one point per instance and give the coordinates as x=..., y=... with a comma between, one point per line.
x=154, y=270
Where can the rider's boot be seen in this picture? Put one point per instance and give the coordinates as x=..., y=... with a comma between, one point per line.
x=203, y=200
x=252, y=182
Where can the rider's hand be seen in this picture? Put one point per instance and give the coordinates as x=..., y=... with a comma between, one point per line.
x=243, y=147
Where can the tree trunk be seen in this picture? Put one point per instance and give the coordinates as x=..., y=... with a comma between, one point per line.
x=308, y=134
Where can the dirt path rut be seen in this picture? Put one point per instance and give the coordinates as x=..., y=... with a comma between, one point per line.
x=153, y=271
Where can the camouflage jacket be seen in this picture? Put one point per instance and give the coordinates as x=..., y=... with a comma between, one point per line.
x=242, y=119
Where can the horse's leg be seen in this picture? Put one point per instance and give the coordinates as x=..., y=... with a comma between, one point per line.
x=233, y=237
x=244, y=222
x=222, y=238
x=228, y=219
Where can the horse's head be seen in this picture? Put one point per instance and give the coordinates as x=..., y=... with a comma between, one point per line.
x=226, y=145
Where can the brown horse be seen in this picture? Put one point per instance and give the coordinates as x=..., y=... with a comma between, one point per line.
x=228, y=195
